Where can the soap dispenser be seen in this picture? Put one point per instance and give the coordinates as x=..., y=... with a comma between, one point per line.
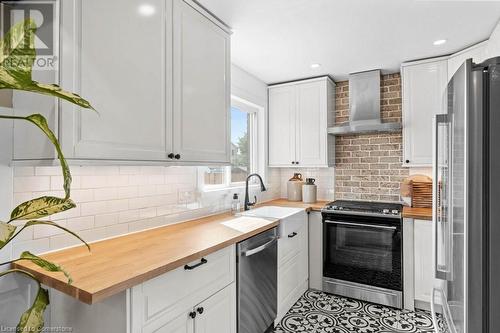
x=235, y=205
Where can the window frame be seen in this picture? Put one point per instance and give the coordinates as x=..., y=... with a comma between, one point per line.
x=253, y=110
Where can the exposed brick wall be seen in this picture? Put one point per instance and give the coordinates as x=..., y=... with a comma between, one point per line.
x=369, y=166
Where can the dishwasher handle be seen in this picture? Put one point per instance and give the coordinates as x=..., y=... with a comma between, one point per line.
x=258, y=249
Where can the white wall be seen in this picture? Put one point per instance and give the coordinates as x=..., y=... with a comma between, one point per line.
x=493, y=48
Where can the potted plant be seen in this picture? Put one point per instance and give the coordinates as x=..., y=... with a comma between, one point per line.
x=17, y=55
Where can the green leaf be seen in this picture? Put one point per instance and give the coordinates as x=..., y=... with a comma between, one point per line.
x=41, y=207
x=49, y=223
x=6, y=232
x=17, y=55
x=32, y=320
x=41, y=123
x=47, y=265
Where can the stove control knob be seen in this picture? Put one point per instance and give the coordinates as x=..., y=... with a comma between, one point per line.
x=341, y=208
x=335, y=207
x=385, y=211
x=395, y=212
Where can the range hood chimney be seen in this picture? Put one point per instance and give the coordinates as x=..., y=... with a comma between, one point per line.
x=364, y=104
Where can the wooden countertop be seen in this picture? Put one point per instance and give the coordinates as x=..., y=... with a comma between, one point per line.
x=317, y=206
x=117, y=264
x=417, y=213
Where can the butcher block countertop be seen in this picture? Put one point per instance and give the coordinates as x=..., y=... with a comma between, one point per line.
x=317, y=206
x=417, y=213
x=117, y=264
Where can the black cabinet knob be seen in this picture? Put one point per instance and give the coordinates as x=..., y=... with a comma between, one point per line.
x=293, y=162
x=200, y=310
x=192, y=314
x=297, y=162
x=171, y=155
x=407, y=161
x=177, y=156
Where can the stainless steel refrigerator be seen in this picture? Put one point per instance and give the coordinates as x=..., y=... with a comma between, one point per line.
x=466, y=201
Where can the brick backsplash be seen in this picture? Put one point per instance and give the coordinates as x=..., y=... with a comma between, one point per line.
x=369, y=166
x=115, y=200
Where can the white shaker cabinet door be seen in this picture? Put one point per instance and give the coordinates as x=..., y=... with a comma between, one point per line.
x=282, y=126
x=181, y=324
x=217, y=313
x=201, y=87
x=424, y=95
x=311, y=124
x=119, y=60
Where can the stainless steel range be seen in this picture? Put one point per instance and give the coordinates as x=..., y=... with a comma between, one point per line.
x=362, y=251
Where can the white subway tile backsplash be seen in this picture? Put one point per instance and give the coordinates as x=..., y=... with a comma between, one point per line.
x=24, y=171
x=116, y=230
x=48, y=171
x=93, y=208
x=107, y=219
x=114, y=200
x=44, y=231
x=81, y=223
x=35, y=246
x=31, y=183
x=80, y=196
x=93, y=181
x=106, y=193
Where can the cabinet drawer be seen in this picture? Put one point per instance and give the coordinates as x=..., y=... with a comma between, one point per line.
x=164, y=297
x=290, y=235
x=288, y=247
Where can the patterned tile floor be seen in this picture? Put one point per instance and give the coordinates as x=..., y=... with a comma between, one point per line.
x=318, y=312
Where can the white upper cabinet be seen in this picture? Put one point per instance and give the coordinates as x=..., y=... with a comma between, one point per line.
x=424, y=95
x=282, y=126
x=298, y=122
x=202, y=90
x=123, y=63
x=123, y=70
x=476, y=52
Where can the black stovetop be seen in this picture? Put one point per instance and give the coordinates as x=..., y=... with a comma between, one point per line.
x=364, y=207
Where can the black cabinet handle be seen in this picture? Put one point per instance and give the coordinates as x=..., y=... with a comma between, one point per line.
x=200, y=310
x=202, y=261
x=297, y=162
x=177, y=156
x=407, y=161
x=293, y=162
x=171, y=156
x=192, y=314
x=293, y=234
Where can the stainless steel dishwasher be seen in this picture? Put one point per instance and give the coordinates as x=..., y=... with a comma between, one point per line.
x=257, y=282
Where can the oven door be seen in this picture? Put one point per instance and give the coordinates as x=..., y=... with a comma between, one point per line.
x=363, y=253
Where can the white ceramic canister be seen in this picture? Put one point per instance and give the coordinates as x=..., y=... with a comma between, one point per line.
x=294, y=187
x=309, y=191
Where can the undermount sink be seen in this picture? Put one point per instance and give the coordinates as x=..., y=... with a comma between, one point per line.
x=272, y=212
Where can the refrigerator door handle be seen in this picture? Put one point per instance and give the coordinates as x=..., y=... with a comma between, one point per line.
x=438, y=119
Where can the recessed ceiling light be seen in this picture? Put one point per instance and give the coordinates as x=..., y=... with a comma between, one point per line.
x=439, y=42
x=146, y=10
x=315, y=66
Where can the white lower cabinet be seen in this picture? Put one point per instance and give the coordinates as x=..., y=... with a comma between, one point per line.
x=293, y=270
x=418, y=264
x=197, y=300
x=215, y=314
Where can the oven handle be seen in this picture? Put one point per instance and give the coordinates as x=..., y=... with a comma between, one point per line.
x=362, y=225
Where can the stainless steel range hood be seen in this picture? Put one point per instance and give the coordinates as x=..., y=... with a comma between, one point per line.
x=364, y=103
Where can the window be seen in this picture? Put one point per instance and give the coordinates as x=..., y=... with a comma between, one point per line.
x=243, y=148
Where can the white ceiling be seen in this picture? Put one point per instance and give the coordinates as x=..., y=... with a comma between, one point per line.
x=278, y=40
